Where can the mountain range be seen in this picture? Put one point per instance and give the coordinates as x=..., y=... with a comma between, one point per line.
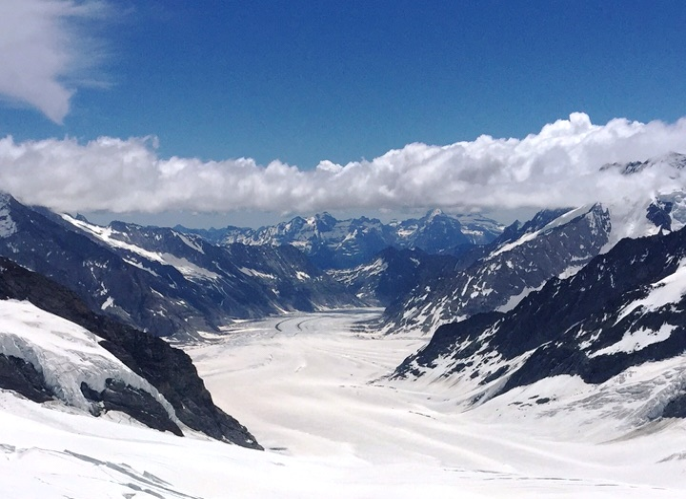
x=339, y=244
x=497, y=275
x=623, y=310
x=575, y=297
x=554, y=243
x=160, y=280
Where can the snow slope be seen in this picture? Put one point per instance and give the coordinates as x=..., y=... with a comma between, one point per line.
x=629, y=215
x=66, y=354
x=310, y=388
x=111, y=237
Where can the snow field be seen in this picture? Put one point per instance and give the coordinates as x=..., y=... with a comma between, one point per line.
x=308, y=386
x=311, y=389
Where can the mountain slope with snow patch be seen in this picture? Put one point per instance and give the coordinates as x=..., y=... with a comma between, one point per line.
x=52, y=347
x=523, y=258
x=162, y=281
x=625, y=310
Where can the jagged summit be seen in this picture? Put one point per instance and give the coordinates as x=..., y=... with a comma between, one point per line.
x=323, y=220
x=338, y=244
x=671, y=159
x=434, y=213
x=5, y=197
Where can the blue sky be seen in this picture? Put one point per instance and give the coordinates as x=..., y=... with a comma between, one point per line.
x=303, y=81
x=347, y=81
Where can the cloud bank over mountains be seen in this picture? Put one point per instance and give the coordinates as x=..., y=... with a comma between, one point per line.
x=46, y=52
x=559, y=166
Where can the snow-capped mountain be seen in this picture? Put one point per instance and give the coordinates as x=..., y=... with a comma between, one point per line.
x=54, y=349
x=500, y=274
x=339, y=244
x=623, y=311
x=160, y=280
x=671, y=160
x=496, y=276
x=437, y=232
x=392, y=274
x=653, y=210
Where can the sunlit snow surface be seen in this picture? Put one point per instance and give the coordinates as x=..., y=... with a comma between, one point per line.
x=311, y=389
x=66, y=354
x=112, y=238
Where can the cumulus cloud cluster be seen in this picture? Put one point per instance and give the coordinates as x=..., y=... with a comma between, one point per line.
x=559, y=166
x=44, y=52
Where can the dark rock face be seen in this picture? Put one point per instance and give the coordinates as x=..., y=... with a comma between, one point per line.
x=676, y=408
x=139, y=404
x=392, y=274
x=345, y=244
x=168, y=369
x=584, y=325
x=523, y=258
x=161, y=281
x=436, y=233
x=20, y=376
x=658, y=214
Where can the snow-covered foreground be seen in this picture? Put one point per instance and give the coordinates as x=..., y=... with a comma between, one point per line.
x=309, y=388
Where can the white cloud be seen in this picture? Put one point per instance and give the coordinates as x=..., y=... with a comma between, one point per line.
x=559, y=166
x=41, y=48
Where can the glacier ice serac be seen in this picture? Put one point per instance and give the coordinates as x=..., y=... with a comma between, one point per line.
x=65, y=354
x=55, y=350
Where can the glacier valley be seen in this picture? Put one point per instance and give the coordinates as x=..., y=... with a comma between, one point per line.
x=315, y=391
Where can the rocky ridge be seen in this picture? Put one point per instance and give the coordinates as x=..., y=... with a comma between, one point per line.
x=172, y=394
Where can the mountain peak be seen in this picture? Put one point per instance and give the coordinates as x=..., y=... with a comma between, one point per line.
x=323, y=222
x=325, y=217
x=4, y=197
x=670, y=159
x=436, y=212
